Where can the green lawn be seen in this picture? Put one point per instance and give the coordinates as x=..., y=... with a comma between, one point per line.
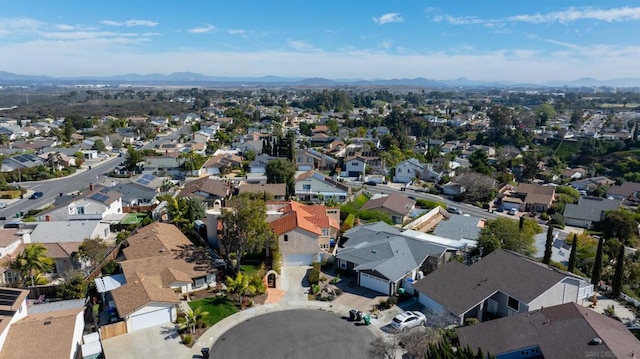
x=249, y=269
x=218, y=308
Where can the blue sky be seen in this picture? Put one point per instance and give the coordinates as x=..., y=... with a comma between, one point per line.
x=516, y=40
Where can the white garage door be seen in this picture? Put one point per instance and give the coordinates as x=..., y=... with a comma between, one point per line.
x=146, y=320
x=298, y=259
x=374, y=283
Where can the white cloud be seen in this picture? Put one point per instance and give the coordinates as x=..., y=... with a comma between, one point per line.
x=301, y=45
x=64, y=27
x=575, y=14
x=385, y=44
x=453, y=20
x=129, y=23
x=18, y=25
x=203, y=29
x=388, y=18
x=562, y=43
x=236, y=32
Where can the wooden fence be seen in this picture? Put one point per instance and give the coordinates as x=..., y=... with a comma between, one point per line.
x=139, y=209
x=113, y=330
x=108, y=258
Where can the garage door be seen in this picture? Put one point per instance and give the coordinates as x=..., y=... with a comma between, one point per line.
x=146, y=320
x=374, y=283
x=298, y=259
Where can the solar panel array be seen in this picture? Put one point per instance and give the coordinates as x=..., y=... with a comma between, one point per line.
x=100, y=197
x=8, y=297
x=145, y=179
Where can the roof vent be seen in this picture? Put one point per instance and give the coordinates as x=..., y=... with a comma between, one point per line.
x=48, y=322
x=595, y=341
x=373, y=251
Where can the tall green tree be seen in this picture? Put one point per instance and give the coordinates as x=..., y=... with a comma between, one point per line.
x=597, y=265
x=99, y=146
x=93, y=250
x=571, y=266
x=548, y=245
x=282, y=170
x=184, y=211
x=245, y=228
x=32, y=262
x=479, y=162
x=75, y=287
x=505, y=233
x=616, y=282
x=620, y=224
x=133, y=158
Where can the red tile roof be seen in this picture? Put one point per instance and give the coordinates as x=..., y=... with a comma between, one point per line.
x=311, y=218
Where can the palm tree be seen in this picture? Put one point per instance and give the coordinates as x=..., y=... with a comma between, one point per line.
x=191, y=318
x=32, y=262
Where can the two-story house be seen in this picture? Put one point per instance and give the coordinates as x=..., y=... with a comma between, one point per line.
x=314, y=186
x=408, y=170
x=94, y=205
x=355, y=167
x=310, y=159
x=305, y=232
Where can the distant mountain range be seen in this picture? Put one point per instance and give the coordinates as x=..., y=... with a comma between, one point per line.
x=190, y=78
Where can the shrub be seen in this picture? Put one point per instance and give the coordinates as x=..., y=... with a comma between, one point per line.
x=391, y=301
x=544, y=216
x=110, y=268
x=314, y=274
x=323, y=279
x=338, y=291
x=315, y=289
x=471, y=321
x=275, y=260
x=187, y=339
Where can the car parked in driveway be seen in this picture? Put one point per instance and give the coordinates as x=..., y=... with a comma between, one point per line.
x=407, y=320
x=513, y=211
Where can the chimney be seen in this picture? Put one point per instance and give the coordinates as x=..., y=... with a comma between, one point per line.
x=90, y=186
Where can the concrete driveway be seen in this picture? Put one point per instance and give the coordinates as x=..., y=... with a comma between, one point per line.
x=159, y=342
x=294, y=281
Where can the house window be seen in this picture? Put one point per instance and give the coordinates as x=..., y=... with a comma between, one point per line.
x=325, y=232
x=306, y=187
x=199, y=282
x=286, y=238
x=513, y=303
x=343, y=264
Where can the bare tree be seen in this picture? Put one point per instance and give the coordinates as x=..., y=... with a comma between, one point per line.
x=383, y=348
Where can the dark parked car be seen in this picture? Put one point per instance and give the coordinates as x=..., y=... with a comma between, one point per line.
x=371, y=183
x=36, y=195
x=454, y=210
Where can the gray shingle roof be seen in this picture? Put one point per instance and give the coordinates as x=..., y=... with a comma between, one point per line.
x=382, y=248
x=459, y=287
x=458, y=227
x=562, y=331
x=590, y=208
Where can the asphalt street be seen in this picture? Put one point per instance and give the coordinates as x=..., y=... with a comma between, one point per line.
x=78, y=182
x=465, y=208
x=310, y=334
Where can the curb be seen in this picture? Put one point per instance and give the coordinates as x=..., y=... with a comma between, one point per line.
x=208, y=338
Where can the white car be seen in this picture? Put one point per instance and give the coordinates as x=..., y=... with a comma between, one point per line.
x=3, y=205
x=408, y=320
x=513, y=211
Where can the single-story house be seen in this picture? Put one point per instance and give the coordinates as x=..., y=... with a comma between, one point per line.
x=277, y=191
x=384, y=260
x=588, y=211
x=159, y=268
x=625, y=190
x=397, y=206
x=501, y=284
x=567, y=331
